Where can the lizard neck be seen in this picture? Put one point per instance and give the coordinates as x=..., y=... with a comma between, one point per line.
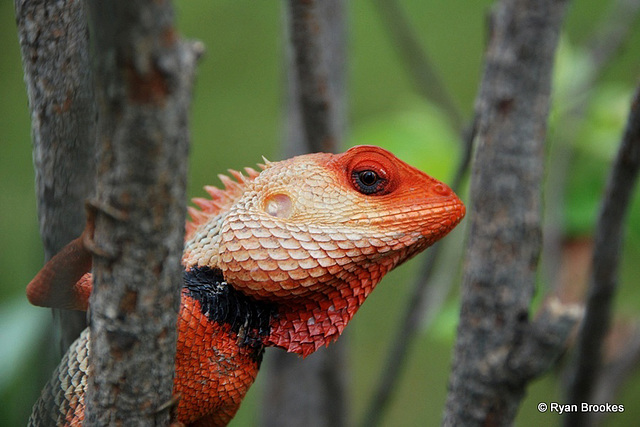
x=303, y=325
x=222, y=304
x=221, y=334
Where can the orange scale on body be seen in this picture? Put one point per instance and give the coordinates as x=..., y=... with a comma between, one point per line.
x=355, y=254
x=310, y=246
x=257, y=275
x=267, y=265
x=258, y=255
x=346, y=244
x=328, y=246
x=250, y=244
x=320, y=235
x=290, y=244
x=298, y=254
x=340, y=258
x=300, y=290
x=282, y=277
x=288, y=265
x=239, y=256
x=280, y=233
x=297, y=273
x=202, y=369
x=268, y=242
x=334, y=269
x=278, y=254
x=270, y=287
x=232, y=223
x=291, y=227
x=324, y=260
x=316, y=272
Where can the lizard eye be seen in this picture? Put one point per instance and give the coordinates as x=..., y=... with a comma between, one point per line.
x=368, y=181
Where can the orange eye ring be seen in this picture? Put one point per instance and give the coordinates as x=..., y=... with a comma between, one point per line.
x=369, y=170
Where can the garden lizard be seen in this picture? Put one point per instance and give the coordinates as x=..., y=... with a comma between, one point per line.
x=283, y=258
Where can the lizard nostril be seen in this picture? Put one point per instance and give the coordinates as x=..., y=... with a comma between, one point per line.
x=278, y=205
x=441, y=190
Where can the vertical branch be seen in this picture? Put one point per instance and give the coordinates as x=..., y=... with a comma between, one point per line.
x=498, y=349
x=424, y=74
x=429, y=84
x=316, y=76
x=144, y=74
x=54, y=37
x=604, y=44
x=606, y=257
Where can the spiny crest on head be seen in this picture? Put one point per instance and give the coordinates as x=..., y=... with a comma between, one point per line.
x=221, y=199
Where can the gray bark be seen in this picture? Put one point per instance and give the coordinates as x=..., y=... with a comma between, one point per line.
x=316, y=117
x=316, y=75
x=499, y=349
x=310, y=392
x=54, y=40
x=144, y=73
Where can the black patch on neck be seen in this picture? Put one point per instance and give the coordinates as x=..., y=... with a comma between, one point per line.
x=221, y=303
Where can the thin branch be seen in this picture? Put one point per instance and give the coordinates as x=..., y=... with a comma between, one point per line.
x=316, y=75
x=144, y=74
x=612, y=34
x=316, y=117
x=419, y=65
x=54, y=37
x=420, y=302
x=622, y=362
x=490, y=371
x=606, y=42
x=606, y=256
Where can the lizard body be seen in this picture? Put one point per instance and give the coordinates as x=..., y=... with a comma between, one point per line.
x=283, y=257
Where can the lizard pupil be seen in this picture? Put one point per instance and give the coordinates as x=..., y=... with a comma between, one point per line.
x=367, y=181
x=368, y=178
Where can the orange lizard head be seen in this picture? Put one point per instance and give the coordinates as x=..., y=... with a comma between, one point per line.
x=315, y=233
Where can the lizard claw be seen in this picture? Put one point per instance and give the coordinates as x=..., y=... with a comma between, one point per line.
x=93, y=206
x=171, y=404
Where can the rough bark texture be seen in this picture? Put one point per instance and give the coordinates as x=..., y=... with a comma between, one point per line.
x=55, y=56
x=316, y=75
x=604, y=278
x=499, y=348
x=316, y=100
x=144, y=75
x=310, y=392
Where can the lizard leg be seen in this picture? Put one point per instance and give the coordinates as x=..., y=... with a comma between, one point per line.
x=65, y=280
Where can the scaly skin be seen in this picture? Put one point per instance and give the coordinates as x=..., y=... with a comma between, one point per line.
x=282, y=258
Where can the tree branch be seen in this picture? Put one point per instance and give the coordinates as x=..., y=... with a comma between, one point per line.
x=612, y=34
x=144, y=75
x=602, y=47
x=489, y=373
x=316, y=116
x=316, y=76
x=606, y=256
x=423, y=73
x=54, y=37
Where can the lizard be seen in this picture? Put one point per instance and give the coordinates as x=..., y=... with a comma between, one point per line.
x=281, y=257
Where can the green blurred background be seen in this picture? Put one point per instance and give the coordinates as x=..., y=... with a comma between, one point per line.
x=238, y=117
